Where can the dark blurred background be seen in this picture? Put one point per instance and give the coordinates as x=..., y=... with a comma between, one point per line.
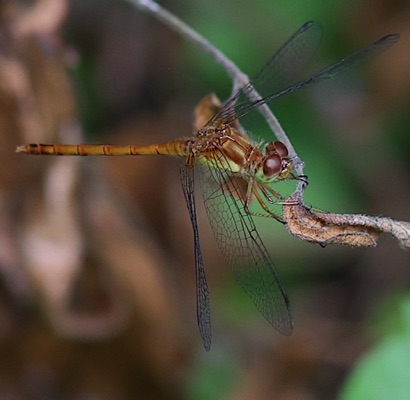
x=97, y=288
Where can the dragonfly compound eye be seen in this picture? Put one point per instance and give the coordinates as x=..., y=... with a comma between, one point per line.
x=272, y=165
x=281, y=149
x=276, y=148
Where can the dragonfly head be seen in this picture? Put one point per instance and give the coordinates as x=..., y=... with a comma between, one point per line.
x=275, y=164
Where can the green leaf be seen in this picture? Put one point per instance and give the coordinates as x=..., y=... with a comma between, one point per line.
x=384, y=373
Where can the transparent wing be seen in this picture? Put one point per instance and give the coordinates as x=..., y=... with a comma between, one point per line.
x=299, y=49
x=239, y=241
x=283, y=69
x=329, y=72
x=202, y=292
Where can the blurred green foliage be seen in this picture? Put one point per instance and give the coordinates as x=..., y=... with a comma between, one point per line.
x=213, y=376
x=384, y=372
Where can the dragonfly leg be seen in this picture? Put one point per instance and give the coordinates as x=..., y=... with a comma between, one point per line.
x=269, y=214
x=265, y=189
x=248, y=195
x=304, y=179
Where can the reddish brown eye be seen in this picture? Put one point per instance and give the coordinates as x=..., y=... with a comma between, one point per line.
x=281, y=149
x=272, y=165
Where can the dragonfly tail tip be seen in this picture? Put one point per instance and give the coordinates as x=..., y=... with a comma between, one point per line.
x=21, y=149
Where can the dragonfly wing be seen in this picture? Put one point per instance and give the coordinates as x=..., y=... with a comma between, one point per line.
x=239, y=241
x=202, y=292
x=329, y=72
x=280, y=76
x=283, y=69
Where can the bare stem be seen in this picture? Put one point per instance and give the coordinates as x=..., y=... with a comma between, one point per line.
x=399, y=229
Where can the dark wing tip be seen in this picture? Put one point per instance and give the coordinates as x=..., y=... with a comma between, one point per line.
x=390, y=39
x=207, y=344
x=307, y=25
x=288, y=328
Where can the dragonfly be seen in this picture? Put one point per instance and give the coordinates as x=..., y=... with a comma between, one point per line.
x=235, y=170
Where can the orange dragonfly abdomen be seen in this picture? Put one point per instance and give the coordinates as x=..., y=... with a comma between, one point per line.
x=178, y=148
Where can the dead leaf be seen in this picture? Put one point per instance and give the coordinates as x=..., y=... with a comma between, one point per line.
x=347, y=229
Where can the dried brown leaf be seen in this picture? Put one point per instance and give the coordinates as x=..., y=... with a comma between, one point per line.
x=347, y=229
